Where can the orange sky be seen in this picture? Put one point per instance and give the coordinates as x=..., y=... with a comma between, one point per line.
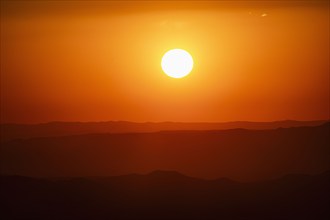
x=100, y=61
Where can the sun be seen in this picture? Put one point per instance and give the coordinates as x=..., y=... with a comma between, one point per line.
x=177, y=63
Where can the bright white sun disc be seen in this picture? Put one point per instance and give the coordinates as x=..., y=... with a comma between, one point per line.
x=177, y=63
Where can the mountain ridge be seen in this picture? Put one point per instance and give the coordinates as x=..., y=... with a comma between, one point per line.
x=235, y=154
x=10, y=131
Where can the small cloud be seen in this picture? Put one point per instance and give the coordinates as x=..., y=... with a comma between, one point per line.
x=264, y=15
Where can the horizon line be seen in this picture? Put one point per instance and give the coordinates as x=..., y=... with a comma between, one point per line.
x=160, y=122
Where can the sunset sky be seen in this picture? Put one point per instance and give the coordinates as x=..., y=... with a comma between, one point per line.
x=100, y=61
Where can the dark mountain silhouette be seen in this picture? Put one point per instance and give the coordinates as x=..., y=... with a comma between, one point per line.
x=239, y=154
x=165, y=195
x=14, y=131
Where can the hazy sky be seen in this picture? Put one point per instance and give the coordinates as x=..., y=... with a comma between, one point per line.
x=99, y=61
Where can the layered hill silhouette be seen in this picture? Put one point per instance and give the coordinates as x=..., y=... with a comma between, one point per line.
x=165, y=195
x=51, y=129
x=121, y=170
x=238, y=154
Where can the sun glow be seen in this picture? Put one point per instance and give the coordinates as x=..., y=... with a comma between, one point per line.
x=177, y=63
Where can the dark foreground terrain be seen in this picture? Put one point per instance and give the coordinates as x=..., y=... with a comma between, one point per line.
x=165, y=195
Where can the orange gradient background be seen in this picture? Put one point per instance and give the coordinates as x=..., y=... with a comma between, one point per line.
x=99, y=61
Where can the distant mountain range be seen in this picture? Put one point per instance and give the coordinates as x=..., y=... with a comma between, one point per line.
x=239, y=154
x=124, y=170
x=165, y=195
x=51, y=129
